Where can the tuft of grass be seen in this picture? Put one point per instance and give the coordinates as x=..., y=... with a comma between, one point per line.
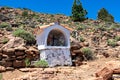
x=117, y=38
x=4, y=25
x=81, y=39
x=27, y=62
x=1, y=76
x=88, y=53
x=28, y=37
x=41, y=63
x=111, y=42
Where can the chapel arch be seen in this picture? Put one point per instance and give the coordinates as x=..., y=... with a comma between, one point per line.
x=56, y=38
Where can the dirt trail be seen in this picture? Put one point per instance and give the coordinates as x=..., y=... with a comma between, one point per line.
x=84, y=72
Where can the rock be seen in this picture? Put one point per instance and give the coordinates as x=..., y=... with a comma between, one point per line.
x=2, y=69
x=19, y=53
x=28, y=69
x=99, y=78
x=118, y=43
x=49, y=71
x=7, y=63
x=86, y=43
x=20, y=57
x=116, y=76
x=13, y=42
x=9, y=68
x=75, y=47
x=18, y=64
x=113, y=64
x=77, y=51
x=20, y=48
x=0, y=50
x=116, y=71
x=105, y=73
x=32, y=49
x=4, y=56
x=9, y=51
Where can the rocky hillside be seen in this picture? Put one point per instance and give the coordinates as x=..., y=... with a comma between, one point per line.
x=90, y=39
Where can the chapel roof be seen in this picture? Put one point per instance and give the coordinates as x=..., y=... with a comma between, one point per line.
x=39, y=29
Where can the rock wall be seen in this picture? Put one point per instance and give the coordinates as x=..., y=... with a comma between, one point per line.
x=14, y=52
x=15, y=57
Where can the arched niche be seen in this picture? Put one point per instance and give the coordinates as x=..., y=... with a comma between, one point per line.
x=56, y=38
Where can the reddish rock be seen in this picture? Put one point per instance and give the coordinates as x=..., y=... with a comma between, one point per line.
x=20, y=48
x=2, y=68
x=13, y=42
x=0, y=54
x=19, y=53
x=116, y=71
x=99, y=78
x=9, y=51
x=18, y=64
x=7, y=63
x=5, y=56
x=20, y=57
x=118, y=43
x=86, y=44
x=75, y=47
x=0, y=50
x=105, y=73
x=32, y=50
x=78, y=52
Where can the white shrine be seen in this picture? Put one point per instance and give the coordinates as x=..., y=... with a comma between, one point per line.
x=53, y=41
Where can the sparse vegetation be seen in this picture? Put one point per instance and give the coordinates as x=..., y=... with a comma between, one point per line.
x=27, y=62
x=81, y=39
x=28, y=37
x=25, y=13
x=0, y=76
x=5, y=40
x=4, y=25
x=41, y=63
x=111, y=42
x=88, y=53
x=117, y=38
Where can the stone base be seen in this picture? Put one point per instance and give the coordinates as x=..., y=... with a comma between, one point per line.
x=56, y=56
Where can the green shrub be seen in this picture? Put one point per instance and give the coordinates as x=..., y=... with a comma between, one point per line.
x=81, y=27
x=81, y=39
x=88, y=53
x=5, y=40
x=4, y=25
x=41, y=63
x=111, y=42
x=25, y=13
x=27, y=62
x=117, y=38
x=28, y=37
x=114, y=26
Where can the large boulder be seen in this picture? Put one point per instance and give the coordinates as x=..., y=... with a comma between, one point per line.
x=13, y=43
x=105, y=73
